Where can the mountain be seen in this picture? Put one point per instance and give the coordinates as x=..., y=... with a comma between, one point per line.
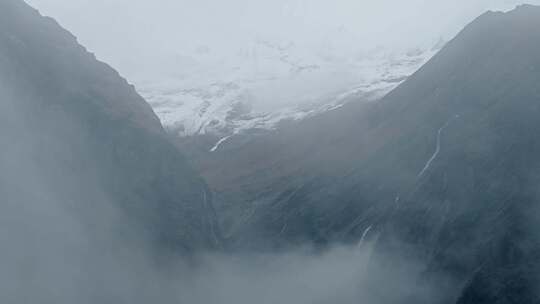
x=443, y=169
x=216, y=94
x=78, y=140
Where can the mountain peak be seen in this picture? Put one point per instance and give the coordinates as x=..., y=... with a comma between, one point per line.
x=523, y=13
x=527, y=7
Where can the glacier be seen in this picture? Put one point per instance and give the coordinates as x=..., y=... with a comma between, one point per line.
x=267, y=83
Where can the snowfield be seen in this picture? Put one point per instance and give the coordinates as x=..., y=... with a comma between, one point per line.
x=267, y=83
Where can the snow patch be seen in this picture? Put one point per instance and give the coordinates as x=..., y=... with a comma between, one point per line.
x=216, y=146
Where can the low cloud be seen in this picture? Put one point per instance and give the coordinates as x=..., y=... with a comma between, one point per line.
x=135, y=35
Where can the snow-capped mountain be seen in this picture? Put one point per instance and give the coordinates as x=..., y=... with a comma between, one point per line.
x=267, y=82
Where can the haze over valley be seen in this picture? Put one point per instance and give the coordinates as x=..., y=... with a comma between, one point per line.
x=286, y=151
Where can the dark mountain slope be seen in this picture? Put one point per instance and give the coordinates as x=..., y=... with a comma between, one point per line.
x=75, y=133
x=448, y=164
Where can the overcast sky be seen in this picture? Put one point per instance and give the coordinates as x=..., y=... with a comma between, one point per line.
x=126, y=33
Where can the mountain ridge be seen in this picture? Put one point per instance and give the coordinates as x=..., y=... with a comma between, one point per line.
x=446, y=163
x=82, y=123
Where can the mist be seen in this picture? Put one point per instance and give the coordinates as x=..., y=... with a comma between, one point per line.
x=87, y=175
x=141, y=37
x=64, y=240
x=55, y=251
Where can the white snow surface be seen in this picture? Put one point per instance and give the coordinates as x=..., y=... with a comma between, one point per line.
x=267, y=82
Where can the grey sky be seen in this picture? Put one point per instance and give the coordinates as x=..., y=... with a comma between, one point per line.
x=127, y=33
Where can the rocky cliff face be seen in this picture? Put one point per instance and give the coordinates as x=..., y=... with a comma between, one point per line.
x=75, y=133
x=447, y=163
